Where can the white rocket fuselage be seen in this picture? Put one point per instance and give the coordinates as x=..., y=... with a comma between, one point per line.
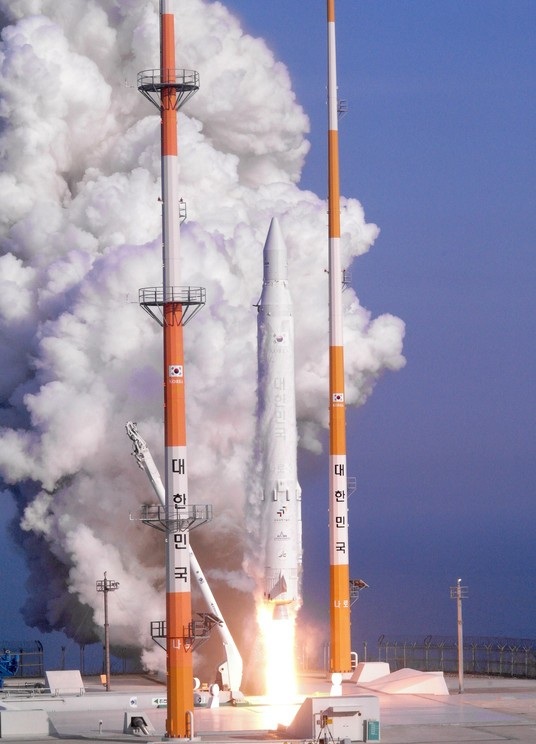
x=281, y=493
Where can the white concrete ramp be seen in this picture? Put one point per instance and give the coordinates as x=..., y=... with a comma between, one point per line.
x=65, y=682
x=366, y=671
x=410, y=682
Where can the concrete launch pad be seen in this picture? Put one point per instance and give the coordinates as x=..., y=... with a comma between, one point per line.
x=490, y=710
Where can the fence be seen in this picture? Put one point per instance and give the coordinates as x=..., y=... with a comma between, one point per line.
x=504, y=657
x=30, y=657
x=91, y=661
x=89, y=658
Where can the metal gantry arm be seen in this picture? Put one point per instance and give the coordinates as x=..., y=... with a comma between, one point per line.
x=355, y=587
x=231, y=669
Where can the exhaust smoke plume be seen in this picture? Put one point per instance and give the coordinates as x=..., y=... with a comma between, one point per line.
x=80, y=233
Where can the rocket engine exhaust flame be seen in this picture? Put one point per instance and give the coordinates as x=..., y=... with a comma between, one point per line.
x=278, y=636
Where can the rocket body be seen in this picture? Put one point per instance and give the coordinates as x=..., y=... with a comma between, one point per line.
x=281, y=526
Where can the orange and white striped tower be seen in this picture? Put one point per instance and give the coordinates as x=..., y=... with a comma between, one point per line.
x=340, y=646
x=168, y=88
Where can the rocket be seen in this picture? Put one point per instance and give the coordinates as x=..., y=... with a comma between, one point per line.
x=281, y=525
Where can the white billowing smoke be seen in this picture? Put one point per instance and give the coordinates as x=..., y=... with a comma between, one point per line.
x=80, y=233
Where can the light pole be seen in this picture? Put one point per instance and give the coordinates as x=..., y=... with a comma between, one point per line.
x=105, y=586
x=458, y=593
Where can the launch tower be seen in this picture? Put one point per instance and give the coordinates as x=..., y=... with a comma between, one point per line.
x=173, y=305
x=340, y=646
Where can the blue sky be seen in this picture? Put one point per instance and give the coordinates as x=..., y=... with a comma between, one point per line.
x=439, y=146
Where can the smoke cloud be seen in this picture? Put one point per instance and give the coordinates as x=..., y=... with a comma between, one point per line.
x=80, y=233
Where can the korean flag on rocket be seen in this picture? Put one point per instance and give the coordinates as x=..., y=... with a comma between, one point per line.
x=175, y=370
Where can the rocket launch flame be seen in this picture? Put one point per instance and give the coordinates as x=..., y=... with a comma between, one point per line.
x=80, y=233
x=279, y=653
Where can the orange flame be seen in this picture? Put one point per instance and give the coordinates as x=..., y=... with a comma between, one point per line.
x=278, y=639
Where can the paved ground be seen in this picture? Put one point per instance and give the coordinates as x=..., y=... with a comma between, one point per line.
x=489, y=711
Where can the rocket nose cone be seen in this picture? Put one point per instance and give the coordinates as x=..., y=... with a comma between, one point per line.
x=275, y=254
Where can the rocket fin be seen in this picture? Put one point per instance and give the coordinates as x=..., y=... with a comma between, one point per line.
x=280, y=587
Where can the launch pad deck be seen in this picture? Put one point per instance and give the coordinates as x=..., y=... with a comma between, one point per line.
x=489, y=710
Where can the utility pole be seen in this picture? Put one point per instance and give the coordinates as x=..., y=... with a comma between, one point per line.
x=458, y=593
x=105, y=586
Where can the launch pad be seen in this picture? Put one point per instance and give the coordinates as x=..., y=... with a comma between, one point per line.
x=491, y=709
